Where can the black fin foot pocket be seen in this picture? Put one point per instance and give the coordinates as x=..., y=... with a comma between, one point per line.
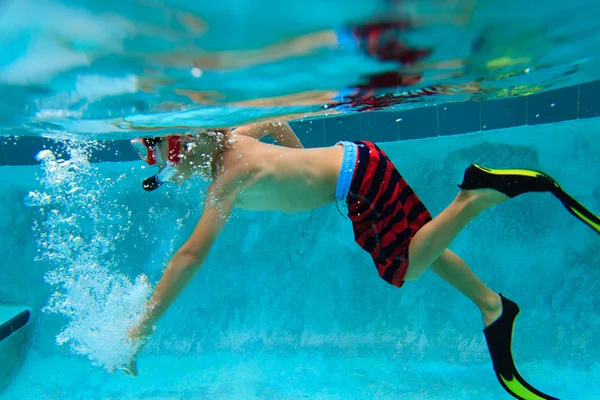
x=511, y=182
x=498, y=336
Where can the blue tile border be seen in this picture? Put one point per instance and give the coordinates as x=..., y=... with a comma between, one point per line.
x=344, y=127
x=553, y=106
x=589, y=103
x=107, y=152
x=311, y=132
x=418, y=123
x=380, y=126
x=59, y=148
x=579, y=101
x=23, y=150
x=2, y=154
x=503, y=113
x=126, y=152
x=457, y=118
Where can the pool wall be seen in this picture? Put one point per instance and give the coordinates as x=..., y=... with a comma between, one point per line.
x=288, y=283
x=563, y=104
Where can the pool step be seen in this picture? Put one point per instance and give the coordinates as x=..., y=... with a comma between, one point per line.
x=12, y=318
x=14, y=343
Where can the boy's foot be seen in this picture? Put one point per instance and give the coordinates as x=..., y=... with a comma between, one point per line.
x=498, y=336
x=492, y=311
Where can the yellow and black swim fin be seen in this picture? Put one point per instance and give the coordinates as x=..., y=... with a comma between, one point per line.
x=498, y=336
x=513, y=182
x=577, y=209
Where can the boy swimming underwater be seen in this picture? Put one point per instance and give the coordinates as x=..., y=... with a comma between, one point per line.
x=389, y=220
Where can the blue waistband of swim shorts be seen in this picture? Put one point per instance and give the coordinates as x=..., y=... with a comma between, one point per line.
x=347, y=171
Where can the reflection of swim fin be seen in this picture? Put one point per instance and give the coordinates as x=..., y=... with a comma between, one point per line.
x=499, y=340
x=513, y=182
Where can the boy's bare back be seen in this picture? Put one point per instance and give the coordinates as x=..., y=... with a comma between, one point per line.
x=268, y=177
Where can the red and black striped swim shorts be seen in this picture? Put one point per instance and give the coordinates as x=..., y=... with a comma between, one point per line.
x=385, y=212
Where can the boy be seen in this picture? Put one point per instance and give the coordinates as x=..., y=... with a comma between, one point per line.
x=389, y=220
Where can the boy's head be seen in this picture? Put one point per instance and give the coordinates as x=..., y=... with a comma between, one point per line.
x=178, y=156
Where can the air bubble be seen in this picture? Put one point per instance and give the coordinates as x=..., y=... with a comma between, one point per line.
x=196, y=72
x=98, y=302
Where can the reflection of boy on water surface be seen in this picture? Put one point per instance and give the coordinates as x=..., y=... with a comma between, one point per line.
x=380, y=40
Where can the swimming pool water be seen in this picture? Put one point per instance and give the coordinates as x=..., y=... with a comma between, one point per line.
x=288, y=307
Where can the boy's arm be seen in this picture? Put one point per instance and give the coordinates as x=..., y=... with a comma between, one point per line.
x=280, y=131
x=189, y=258
x=293, y=47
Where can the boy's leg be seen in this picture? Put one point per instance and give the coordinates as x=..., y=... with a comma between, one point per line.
x=429, y=247
x=451, y=268
x=433, y=238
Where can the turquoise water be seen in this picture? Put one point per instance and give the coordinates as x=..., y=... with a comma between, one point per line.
x=107, y=69
x=289, y=307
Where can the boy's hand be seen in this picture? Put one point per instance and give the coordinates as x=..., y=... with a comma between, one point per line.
x=130, y=368
x=138, y=336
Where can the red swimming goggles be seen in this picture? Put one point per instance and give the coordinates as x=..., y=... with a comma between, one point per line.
x=148, y=149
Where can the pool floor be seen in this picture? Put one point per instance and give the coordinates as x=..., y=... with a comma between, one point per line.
x=301, y=376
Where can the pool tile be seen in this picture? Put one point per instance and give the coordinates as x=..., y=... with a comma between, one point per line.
x=589, y=102
x=23, y=150
x=418, y=123
x=553, y=106
x=380, y=126
x=2, y=154
x=345, y=127
x=457, y=118
x=108, y=152
x=505, y=113
x=126, y=152
x=311, y=132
